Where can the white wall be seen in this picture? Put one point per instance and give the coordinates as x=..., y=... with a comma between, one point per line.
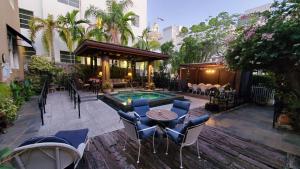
x=41, y=8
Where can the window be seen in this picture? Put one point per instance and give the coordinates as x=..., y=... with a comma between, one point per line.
x=74, y=3
x=136, y=21
x=28, y=52
x=25, y=16
x=13, y=51
x=67, y=57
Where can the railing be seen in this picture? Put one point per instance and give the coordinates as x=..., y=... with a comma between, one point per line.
x=43, y=99
x=74, y=95
x=262, y=95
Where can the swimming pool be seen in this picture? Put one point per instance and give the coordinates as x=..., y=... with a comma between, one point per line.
x=122, y=100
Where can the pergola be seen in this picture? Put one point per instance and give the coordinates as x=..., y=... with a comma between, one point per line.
x=107, y=51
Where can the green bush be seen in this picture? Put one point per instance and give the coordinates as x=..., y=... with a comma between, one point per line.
x=5, y=90
x=264, y=80
x=9, y=109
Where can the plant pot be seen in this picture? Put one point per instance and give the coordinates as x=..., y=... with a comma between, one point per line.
x=284, y=119
x=107, y=91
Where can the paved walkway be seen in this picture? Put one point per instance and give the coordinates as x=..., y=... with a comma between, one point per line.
x=26, y=126
x=255, y=123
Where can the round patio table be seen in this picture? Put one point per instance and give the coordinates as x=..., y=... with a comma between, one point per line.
x=161, y=115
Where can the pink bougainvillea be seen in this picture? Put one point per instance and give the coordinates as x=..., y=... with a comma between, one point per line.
x=267, y=36
x=250, y=33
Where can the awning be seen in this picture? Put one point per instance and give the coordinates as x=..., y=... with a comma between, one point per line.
x=13, y=31
x=94, y=48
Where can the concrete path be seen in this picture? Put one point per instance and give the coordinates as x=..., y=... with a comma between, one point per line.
x=97, y=116
x=255, y=123
x=26, y=126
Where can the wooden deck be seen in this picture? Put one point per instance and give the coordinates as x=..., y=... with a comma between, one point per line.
x=218, y=151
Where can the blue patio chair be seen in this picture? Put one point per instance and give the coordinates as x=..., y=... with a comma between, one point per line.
x=186, y=135
x=181, y=108
x=141, y=107
x=136, y=131
x=63, y=149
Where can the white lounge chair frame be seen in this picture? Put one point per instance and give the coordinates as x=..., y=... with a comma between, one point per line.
x=48, y=155
x=132, y=132
x=189, y=138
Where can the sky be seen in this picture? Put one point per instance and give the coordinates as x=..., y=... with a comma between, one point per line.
x=189, y=12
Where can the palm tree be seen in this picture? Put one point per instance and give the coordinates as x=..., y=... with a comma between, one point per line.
x=48, y=26
x=73, y=27
x=115, y=20
x=144, y=42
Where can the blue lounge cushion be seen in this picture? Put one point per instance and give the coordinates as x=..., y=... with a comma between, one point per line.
x=127, y=116
x=141, y=106
x=41, y=139
x=145, y=133
x=74, y=137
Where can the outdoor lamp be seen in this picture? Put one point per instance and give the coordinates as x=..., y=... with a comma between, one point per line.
x=129, y=74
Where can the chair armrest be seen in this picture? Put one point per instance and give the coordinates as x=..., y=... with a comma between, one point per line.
x=153, y=127
x=182, y=116
x=137, y=115
x=168, y=129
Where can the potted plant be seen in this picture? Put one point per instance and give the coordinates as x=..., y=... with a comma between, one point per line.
x=106, y=87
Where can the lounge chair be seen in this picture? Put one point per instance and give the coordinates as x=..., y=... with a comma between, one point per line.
x=136, y=131
x=181, y=108
x=186, y=135
x=62, y=150
x=141, y=107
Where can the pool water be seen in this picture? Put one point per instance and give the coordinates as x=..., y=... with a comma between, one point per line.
x=127, y=97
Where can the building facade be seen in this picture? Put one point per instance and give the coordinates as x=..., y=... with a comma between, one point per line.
x=11, y=53
x=41, y=9
x=172, y=33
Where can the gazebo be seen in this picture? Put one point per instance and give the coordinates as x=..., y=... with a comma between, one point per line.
x=106, y=51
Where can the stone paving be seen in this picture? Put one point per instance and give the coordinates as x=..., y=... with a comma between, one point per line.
x=95, y=115
x=26, y=126
x=255, y=123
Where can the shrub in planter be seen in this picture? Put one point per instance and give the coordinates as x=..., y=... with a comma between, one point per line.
x=106, y=87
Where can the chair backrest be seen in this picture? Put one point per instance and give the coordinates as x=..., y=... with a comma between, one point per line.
x=46, y=155
x=141, y=106
x=195, y=86
x=129, y=122
x=180, y=107
x=193, y=129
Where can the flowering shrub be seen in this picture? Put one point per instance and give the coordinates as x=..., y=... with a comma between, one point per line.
x=273, y=46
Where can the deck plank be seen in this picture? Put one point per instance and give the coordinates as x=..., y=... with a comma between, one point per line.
x=219, y=150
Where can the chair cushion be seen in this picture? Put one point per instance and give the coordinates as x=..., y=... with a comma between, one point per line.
x=141, y=106
x=181, y=104
x=127, y=116
x=74, y=137
x=194, y=122
x=180, y=108
x=52, y=139
x=145, y=133
x=177, y=138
